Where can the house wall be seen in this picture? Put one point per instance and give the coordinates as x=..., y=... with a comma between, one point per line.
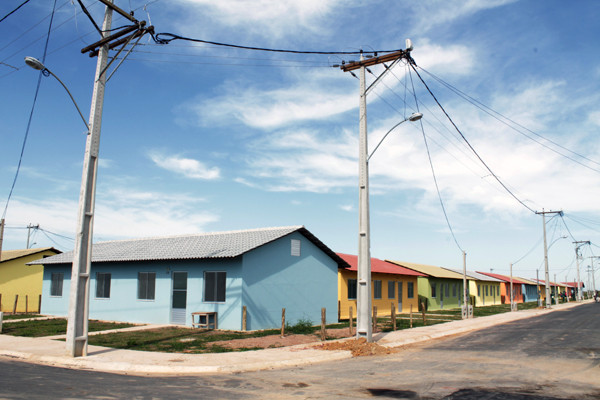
x=17, y=278
x=384, y=305
x=529, y=292
x=486, y=293
x=517, y=292
x=450, y=298
x=123, y=305
x=274, y=279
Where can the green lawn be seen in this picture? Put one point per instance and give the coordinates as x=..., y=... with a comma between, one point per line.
x=51, y=327
x=21, y=316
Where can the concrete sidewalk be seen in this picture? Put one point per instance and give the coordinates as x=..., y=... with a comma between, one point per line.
x=51, y=352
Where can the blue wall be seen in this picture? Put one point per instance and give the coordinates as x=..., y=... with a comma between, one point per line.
x=265, y=280
x=274, y=279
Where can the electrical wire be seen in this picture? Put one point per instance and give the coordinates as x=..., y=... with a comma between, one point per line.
x=166, y=38
x=469, y=144
x=20, y=5
x=37, y=90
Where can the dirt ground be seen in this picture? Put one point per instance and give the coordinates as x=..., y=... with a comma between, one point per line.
x=358, y=347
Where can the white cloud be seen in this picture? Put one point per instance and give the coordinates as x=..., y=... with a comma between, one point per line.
x=311, y=96
x=271, y=19
x=187, y=167
x=594, y=118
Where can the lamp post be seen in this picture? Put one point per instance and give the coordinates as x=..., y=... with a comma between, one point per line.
x=78, y=314
x=363, y=317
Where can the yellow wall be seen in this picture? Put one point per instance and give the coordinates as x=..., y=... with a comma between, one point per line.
x=384, y=305
x=481, y=299
x=16, y=278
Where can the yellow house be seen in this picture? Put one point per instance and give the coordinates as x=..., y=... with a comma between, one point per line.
x=390, y=284
x=21, y=284
x=483, y=288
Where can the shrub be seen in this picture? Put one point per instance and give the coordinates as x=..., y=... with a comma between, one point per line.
x=302, y=327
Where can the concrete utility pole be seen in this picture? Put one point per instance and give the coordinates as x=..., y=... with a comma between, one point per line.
x=1, y=235
x=29, y=227
x=578, y=244
x=547, y=273
x=465, y=311
x=364, y=327
x=77, y=326
x=593, y=276
x=512, y=300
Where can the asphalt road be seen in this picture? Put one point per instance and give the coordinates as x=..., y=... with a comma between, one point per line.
x=555, y=356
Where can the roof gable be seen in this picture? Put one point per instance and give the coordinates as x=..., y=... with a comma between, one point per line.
x=186, y=247
x=8, y=255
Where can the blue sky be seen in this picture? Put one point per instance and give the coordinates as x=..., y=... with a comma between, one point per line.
x=198, y=138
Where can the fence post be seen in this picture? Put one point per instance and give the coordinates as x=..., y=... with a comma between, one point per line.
x=374, y=318
x=15, y=307
x=26, y=303
x=393, y=317
x=339, y=311
x=40, y=305
x=350, y=322
x=1, y=318
x=423, y=311
x=244, y=315
x=282, y=322
x=411, y=315
x=323, y=319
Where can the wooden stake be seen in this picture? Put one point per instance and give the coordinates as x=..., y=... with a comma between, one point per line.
x=323, y=319
x=26, y=303
x=374, y=318
x=282, y=322
x=15, y=307
x=411, y=315
x=350, y=322
x=423, y=311
x=40, y=305
x=244, y=316
x=393, y=317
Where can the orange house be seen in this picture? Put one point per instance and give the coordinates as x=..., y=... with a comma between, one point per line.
x=505, y=287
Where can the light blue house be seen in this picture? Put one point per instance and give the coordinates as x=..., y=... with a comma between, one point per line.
x=165, y=279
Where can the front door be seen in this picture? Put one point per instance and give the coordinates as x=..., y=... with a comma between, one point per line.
x=399, y=297
x=179, y=298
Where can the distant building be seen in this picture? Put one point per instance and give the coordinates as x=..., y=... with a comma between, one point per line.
x=166, y=279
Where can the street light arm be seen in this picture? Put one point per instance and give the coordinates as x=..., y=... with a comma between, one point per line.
x=36, y=64
x=412, y=118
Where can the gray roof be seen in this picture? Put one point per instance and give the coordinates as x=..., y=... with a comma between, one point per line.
x=477, y=275
x=186, y=247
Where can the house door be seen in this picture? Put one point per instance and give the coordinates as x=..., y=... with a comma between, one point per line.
x=179, y=298
x=399, y=297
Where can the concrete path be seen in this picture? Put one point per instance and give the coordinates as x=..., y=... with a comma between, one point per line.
x=52, y=352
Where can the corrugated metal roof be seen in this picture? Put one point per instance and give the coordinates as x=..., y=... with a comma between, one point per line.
x=197, y=246
x=475, y=275
x=12, y=254
x=379, y=266
x=436, y=272
x=503, y=278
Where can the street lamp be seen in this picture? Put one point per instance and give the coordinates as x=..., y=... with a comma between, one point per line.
x=364, y=327
x=37, y=65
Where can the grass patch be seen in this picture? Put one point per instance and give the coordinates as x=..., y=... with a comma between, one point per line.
x=52, y=327
x=175, y=340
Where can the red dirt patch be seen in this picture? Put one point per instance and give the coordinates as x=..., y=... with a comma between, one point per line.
x=358, y=347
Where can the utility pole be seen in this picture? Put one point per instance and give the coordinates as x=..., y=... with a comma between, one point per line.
x=537, y=280
x=512, y=301
x=77, y=325
x=578, y=244
x=547, y=273
x=364, y=327
x=465, y=312
x=29, y=227
x=1, y=235
x=593, y=272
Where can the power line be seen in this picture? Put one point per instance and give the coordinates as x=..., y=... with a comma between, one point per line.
x=467, y=142
x=20, y=5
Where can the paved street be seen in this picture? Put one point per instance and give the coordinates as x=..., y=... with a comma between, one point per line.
x=554, y=356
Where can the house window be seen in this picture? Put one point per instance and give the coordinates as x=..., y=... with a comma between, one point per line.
x=486, y=290
x=146, y=285
x=454, y=290
x=410, y=290
x=102, y=285
x=433, y=291
x=392, y=289
x=447, y=290
x=351, y=289
x=214, y=286
x=377, y=289
x=295, y=247
x=56, y=284
x=478, y=290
